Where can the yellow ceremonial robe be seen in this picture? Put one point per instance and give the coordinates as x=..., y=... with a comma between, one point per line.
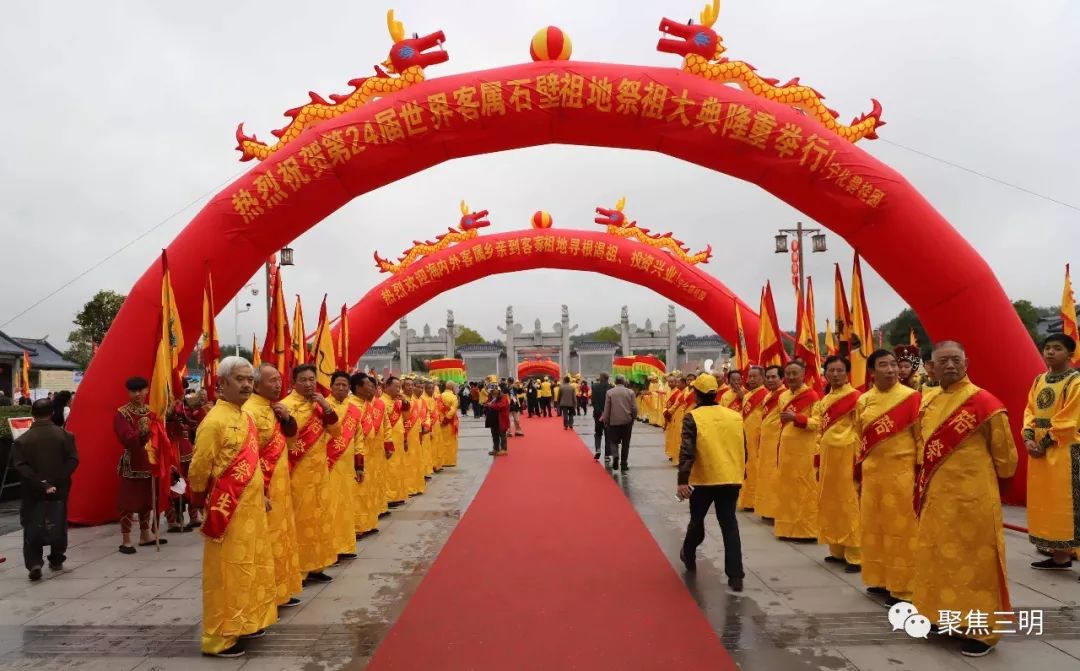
x=768, y=498
x=238, y=571
x=838, y=500
x=373, y=488
x=797, y=512
x=675, y=411
x=365, y=515
x=960, y=551
x=888, y=482
x=311, y=491
x=343, y=486
x=752, y=413
x=396, y=488
x=438, y=435
x=1053, y=492
x=428, y=437
x=414, y=466
x=280, y=527
x=451, y=405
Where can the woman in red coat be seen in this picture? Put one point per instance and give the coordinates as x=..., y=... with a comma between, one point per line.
x=497, y=418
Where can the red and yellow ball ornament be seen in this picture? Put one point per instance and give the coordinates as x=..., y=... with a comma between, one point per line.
x=550, y=44
x=541, y=219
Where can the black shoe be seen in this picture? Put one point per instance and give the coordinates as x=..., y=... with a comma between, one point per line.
x=1051, y=565
x=835, y=560
x=35, y=573
x=237, y=650
x=877, y=590
x=257, y=634
x=56, y=566
x=384, y=514
x=615, y=465
x=853, y=568
x=395, y=504
x=127, y=550
x=175, y=530
x=317, y=577
x=596, y=456
x=891, y=601
x=624, y=468
x=159, y=541
x=973, y=648
x=293, y=601
x=736, y=584
x=690, y=561
x=346, y=556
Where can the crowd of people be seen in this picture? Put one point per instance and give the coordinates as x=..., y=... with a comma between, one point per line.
x=899, y=479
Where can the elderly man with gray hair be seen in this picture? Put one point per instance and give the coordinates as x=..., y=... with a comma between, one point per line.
x=620, y=409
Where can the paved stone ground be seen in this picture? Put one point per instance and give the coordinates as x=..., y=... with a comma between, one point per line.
x=117, y=613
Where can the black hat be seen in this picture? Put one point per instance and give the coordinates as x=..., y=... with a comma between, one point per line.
x=136, y=383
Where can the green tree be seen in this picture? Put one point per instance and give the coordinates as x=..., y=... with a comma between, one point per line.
x=898, y=330
x=1029, y=314
x=92, y=323
x=605, y=334
x=467, y=336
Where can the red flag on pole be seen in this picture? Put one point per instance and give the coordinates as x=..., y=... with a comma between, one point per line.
x=277, y=347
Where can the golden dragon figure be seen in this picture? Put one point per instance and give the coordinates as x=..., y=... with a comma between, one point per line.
x=702, y=51
x=617, y=224
x=407, y=59
x=468, y=228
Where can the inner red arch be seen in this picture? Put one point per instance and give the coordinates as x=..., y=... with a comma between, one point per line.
x=666, y=110
x=591, y=251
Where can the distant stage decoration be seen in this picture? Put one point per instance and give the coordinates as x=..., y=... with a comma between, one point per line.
x=538, y=367
x=702, y=51
x=407, y=59
x=638, y=368
x=780, y=138
x=468, y=228
x=447, y=370
x=623, y=365
x=617, y=224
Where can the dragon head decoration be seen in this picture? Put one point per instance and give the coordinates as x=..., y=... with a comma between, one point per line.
x=412, y=52
x=407, y=59
x=702, y=51
x=693, y=38
x=618, y=224
x=468, y=228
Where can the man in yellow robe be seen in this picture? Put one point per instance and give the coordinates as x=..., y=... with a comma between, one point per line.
x=449, y=424
x=317, y=423
x=1052, y=438
x=413, y=418
x=797, y=512
x=733, y=397
x=768, y=496
x=960, y=551
x=376, y=445
x=341, y=462
x=275, y=425
x=427, y=436
x=752, y=410
x=835, y=422
x=438, y=435
x=238, y=563
x=888, y=423
x=397, y=405
x=673, y=417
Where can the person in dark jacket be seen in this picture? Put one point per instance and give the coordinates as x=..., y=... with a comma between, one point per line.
x=599, y=392
x=497, y=418
x=44, y=457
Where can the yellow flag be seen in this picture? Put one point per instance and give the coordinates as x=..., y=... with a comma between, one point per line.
x=742, y=356
x=165, y=382
x=862, y=335
x=325, y=358
x=24, y=375
x=300, y=352
x=256, y=357
x=1068, y=316
x=771, y=349
x=912, y=340
x=830, y=341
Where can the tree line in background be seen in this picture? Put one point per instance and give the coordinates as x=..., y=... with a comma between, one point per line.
x=93, y=321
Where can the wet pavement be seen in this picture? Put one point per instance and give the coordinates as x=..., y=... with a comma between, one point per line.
x=117, y=613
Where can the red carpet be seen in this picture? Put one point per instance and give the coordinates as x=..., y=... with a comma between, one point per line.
x=551, y=568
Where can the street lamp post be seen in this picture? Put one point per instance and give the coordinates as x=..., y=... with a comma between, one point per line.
x=817, y=238
x=237, y=312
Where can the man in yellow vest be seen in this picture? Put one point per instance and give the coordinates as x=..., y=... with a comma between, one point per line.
x=545, y=398
x=711, y=463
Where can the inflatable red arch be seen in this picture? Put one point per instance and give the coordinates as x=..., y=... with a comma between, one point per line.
x=587, y=251
x=538, y=368
x=790, y=155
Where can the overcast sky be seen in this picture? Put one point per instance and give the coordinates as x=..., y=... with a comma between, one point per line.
x=118, y=114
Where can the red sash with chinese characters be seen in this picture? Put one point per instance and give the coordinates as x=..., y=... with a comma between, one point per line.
x=271, y=453
x=395, y=412
x=840, y=408
x=751, y=402
x=958, y=427
x=229, y=486
x=672, y=403
x=306, y=439
x=771, y=403
x=800, y=402
x=892, y=423
x=337, y=446
x=735, y=404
